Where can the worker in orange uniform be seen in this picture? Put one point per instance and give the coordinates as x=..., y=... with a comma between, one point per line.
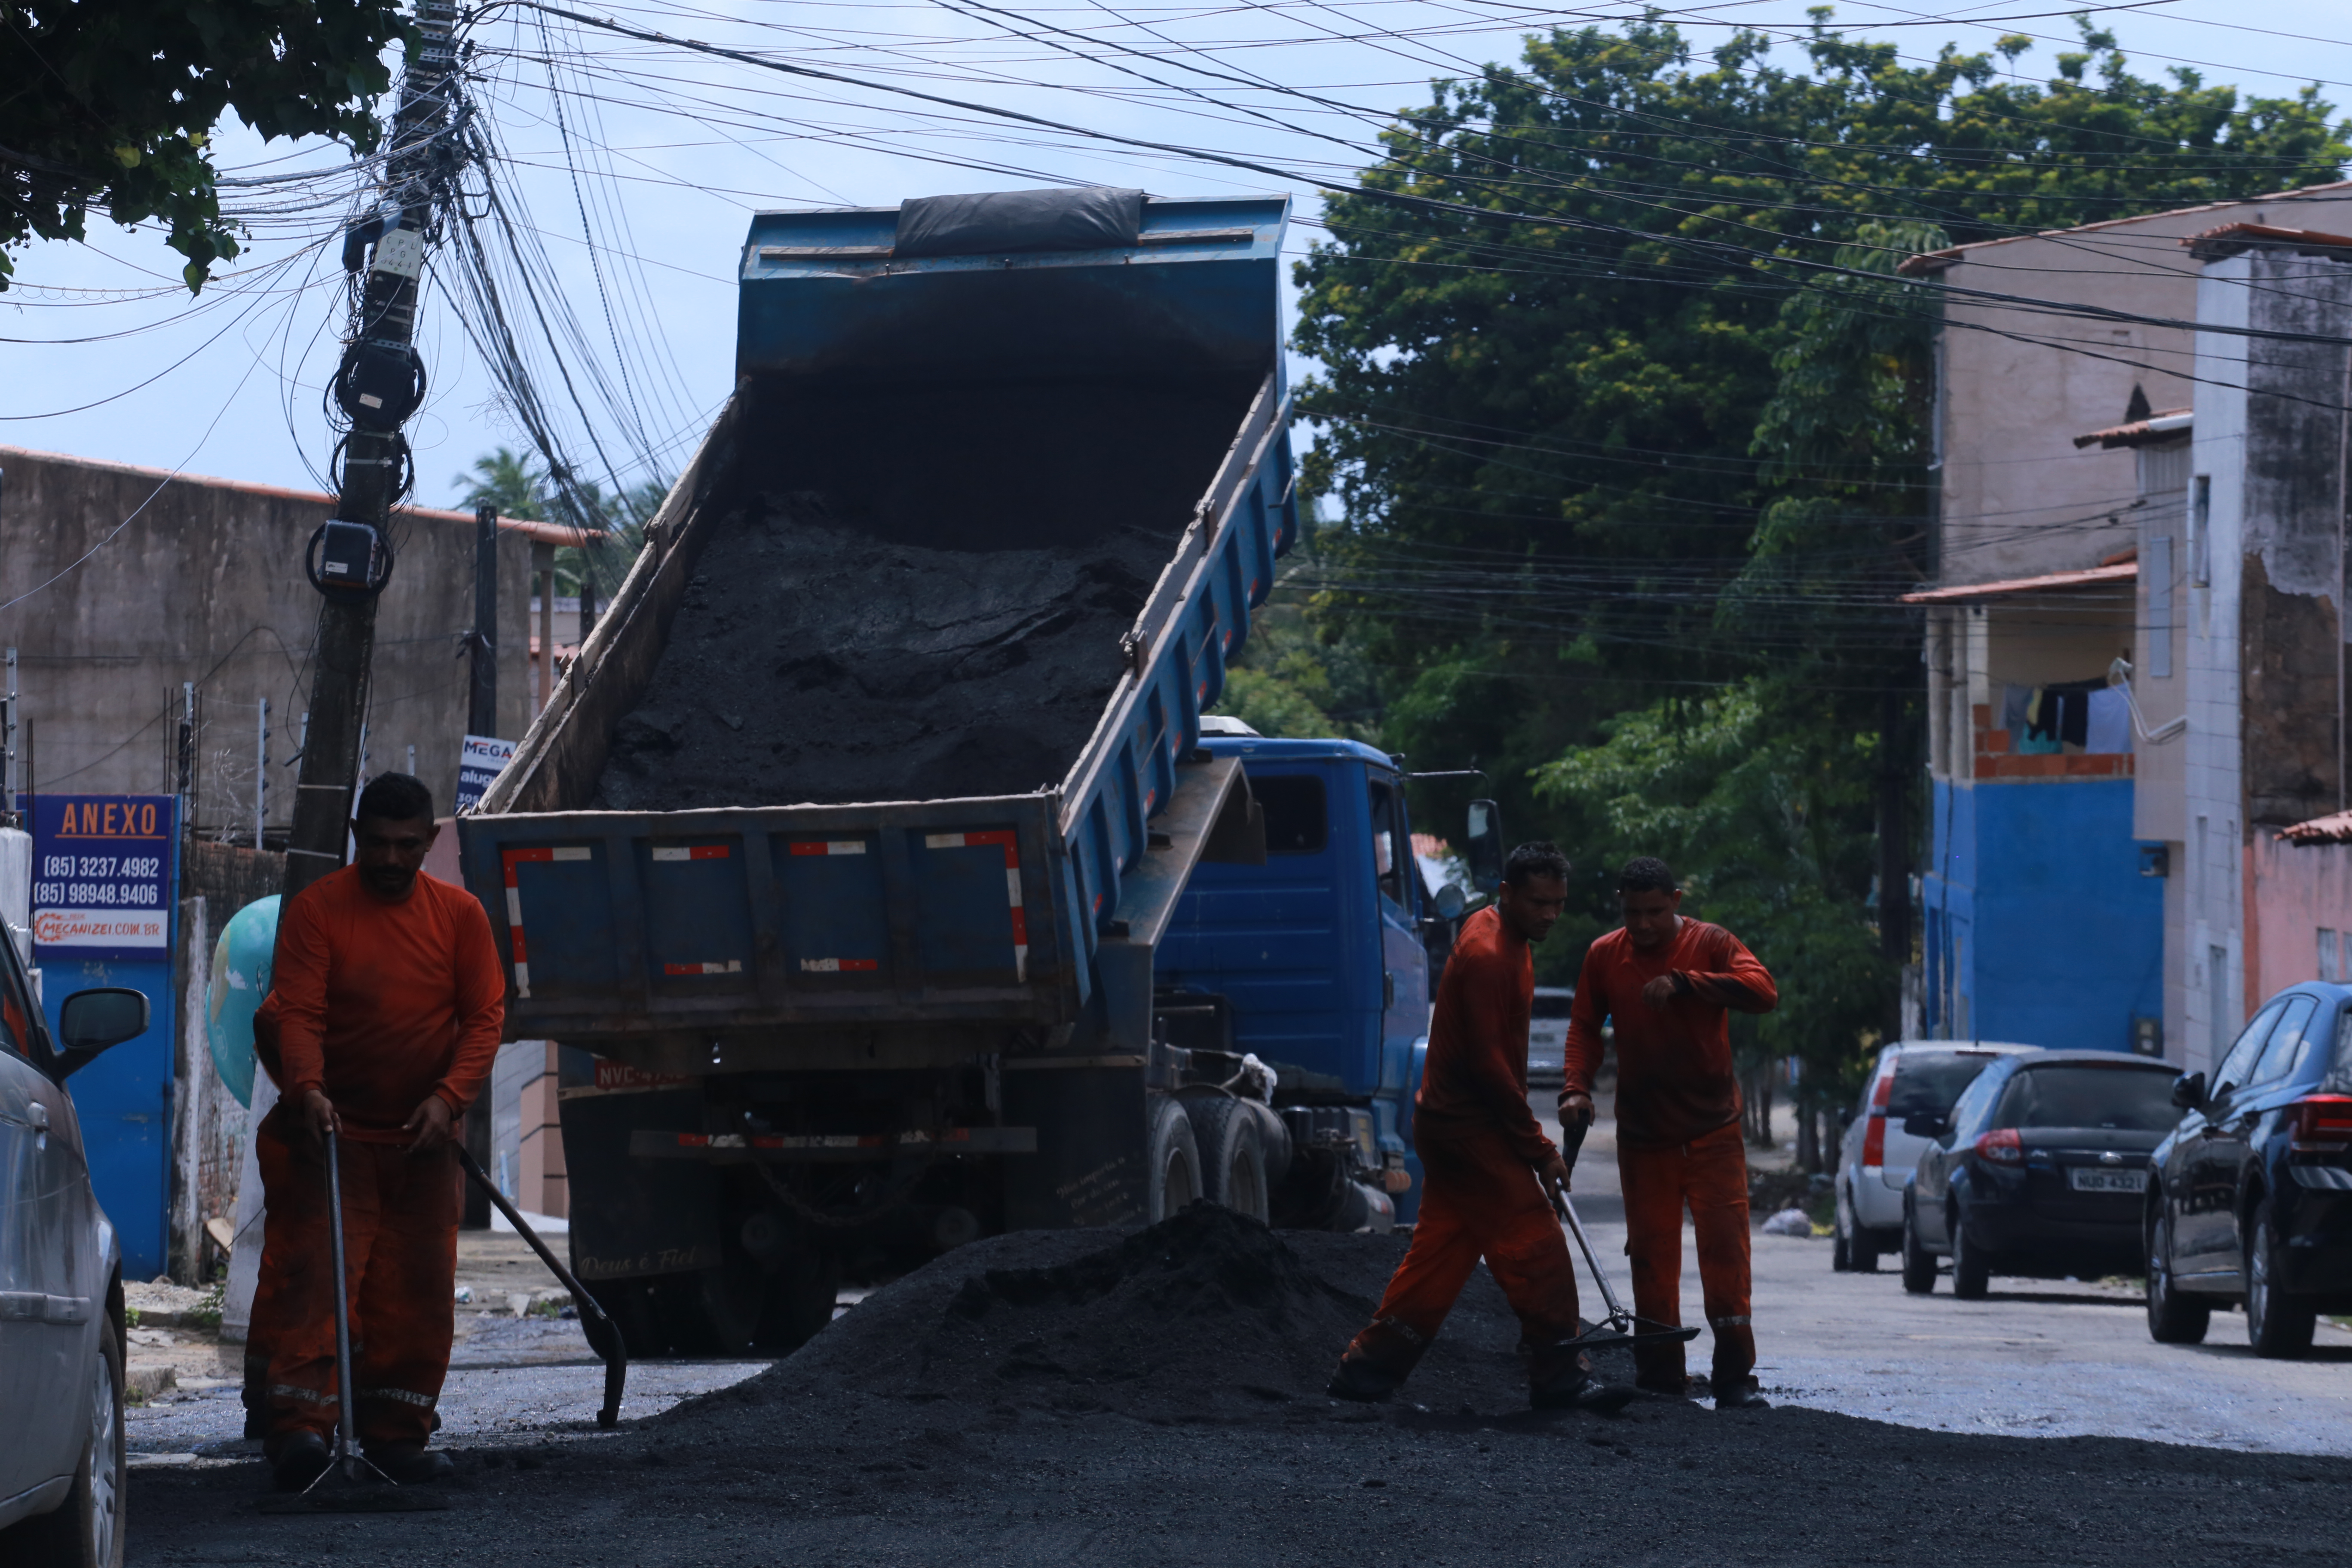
x=1670, y=984
x=1490, y=1175
x=384, y=1015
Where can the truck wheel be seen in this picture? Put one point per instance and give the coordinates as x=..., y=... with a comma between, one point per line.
x=1174, y=1171
x=800, y=1301
x=709, y=1312
x=1234, y=1163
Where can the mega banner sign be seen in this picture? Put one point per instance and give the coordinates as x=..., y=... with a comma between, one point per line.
x=102, y=874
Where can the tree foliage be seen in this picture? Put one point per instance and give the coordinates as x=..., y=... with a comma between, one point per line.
x=1627, y=491
x=515, y=484
x=112, y=104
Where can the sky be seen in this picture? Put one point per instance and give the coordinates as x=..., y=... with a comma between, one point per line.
x=629, y=192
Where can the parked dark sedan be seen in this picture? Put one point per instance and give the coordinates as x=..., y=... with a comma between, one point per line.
x=2039, y=1169
x=2252, y=1196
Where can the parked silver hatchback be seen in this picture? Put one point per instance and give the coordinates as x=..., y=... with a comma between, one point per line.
x=61, y=1453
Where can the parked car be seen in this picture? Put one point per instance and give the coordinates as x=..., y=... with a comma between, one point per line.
x=2251, y=1200
x=1913, y=1078
x=2039, y=1169
x=1548, y=1033
x=61, y=1459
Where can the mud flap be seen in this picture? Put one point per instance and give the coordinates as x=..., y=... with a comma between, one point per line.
x=1088, y=1169
x=632, y=1217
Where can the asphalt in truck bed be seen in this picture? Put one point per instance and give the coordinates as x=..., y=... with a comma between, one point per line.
x=1086, y=1397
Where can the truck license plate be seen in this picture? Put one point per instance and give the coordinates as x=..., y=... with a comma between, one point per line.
x=2095, y=1179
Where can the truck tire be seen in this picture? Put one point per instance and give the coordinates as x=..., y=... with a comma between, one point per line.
x=1172, y=1174
x=800, y=1301
x=1232, y=1156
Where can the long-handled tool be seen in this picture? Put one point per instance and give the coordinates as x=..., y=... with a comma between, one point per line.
x=349, y=1484
x=1620, y=1327
x=603, y=1334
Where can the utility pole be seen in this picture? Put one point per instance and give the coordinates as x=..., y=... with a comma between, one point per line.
x=8, y=808
x=482, y=699
x=261, y=773
x=378, y=386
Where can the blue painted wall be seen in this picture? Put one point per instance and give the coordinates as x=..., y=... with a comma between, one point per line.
x=2041, y=928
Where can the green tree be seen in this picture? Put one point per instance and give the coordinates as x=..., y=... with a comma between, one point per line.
x=1640, y=482
x=113, y=106
x=614, y=527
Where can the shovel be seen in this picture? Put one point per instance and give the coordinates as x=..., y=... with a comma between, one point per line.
x=349, y=1484
x=1619, y=1327
x=603, y=1334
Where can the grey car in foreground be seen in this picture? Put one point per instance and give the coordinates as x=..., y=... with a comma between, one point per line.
x=61, y=1454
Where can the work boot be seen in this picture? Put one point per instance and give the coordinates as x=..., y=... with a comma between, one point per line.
x=411, y=1464
x=1687, y=1387
x=295, y=1458
x=1739, y=1394
x=1580, y=1391
x=1363, y=1380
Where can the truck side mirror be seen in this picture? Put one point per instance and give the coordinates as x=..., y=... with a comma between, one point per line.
x=1449, y=901
x=2188, y=1091
x=91, y=1021
x=1482, y=846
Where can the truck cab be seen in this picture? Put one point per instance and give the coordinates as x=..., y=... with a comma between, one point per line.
x=1327, y=955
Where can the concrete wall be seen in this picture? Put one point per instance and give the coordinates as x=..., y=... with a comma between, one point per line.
x=190, y=578
x=2017, y=498
x=2300, y=890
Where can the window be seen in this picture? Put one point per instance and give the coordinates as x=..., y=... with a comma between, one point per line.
x=1296, y=820
x=1972, y=1105
x=2159, y=571
x=1391, y=853
x=2086, y=1094
x=2331, y=966
x=2239, y=1064
x=2288, y=1043
x=1928, y=1083
x=2201, y=530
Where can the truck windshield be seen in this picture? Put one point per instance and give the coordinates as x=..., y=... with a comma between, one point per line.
x=1296, y=821
x=1929, y=1083
x=2083, y=1094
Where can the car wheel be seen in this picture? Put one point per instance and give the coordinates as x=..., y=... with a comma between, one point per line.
x=1971, y=1265
x=1862, y=1251
x=2276, y=1323
x=1840, y=1243
x=86, y=1530
x=2173, y=1319
x=1918, y=1263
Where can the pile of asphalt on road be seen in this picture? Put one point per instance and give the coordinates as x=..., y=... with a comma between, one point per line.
x=815, y=662
x=1208, y=1316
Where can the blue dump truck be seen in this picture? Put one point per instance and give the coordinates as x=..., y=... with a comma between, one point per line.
x=874, y=865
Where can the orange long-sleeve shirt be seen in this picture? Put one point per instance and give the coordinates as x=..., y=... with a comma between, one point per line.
x=1475, y=1078
x=379, y=1003
x=1674, y=1079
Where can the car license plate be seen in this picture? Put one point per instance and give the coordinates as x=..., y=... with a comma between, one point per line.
x=2100, y=1179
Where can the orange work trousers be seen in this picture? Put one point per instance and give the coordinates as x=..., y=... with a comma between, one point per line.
x=1477, y=1200
x=400, y=1260
x=1709, y=1176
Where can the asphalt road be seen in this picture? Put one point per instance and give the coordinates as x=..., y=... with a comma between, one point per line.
x=2040, y=1425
